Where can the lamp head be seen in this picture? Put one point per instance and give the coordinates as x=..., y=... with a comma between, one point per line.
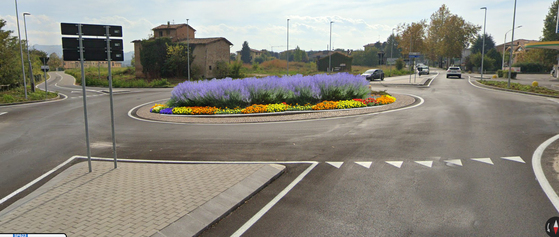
x=26, y=13
x=484, y=8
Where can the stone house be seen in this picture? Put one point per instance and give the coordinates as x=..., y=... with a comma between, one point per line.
x=341, y=62
x=206, y=51
x=253, y=54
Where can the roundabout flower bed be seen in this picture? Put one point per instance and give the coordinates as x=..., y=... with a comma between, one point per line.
x=271, y=94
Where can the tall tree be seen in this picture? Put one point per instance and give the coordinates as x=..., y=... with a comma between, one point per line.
x=54, y=61
x=245, y=53
x=153, y=56
x=478, y=43
x=549, y=34
x=412, y=38
x=10, y=64
x=391, y=47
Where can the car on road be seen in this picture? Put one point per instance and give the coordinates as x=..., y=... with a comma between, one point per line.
x=373, y=74
x=454, y=71
x=423, y=70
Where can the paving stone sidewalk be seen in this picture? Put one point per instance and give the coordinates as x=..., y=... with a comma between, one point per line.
x=137, y=199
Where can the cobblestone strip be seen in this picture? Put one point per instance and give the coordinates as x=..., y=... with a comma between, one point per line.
x=135, y=199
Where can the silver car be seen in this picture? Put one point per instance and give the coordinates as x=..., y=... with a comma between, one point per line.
x=454, y=71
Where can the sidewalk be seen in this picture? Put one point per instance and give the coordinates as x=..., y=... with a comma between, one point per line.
x=136, y=199
x=544, y=80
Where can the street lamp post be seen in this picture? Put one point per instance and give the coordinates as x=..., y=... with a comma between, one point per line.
x=188, y=50
x=504, y=47
x=483, y=45
x=287, y=50
x=392, y=49
x=512, y=40
x=330, y=53
x=21, y=53
x=31, y=79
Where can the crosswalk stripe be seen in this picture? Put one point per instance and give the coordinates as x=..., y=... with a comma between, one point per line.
x=364, y=164
x=514, y=158
x=484, y=160
x=454, y=162
x=425, y=163
x=397, y=164
x=335, y=163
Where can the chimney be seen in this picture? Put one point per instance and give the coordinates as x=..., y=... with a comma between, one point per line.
x=168, y=24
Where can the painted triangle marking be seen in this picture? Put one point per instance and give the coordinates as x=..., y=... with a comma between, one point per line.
x=335, y=164
x=428, y=163
x=364, y=164
x=484, y=160
x=514, y=158
x=397, y=164
x=454, y=162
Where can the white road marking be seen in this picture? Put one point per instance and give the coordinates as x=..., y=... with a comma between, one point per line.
x=454, y=162
x=514, y=158
x=540, y=176
x=364, y=164
x=335, y=164
x=2, y=113
x=484, y=160
x=426, y=163
x=397, y=164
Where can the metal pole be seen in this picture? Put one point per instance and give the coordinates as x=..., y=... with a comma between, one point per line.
x=188, y=49
x=512, y=43
x=84, y=97
x=287, y=51
x=504, y=50
x=21, y=54
x=483, y=46
x=45, y=73
x=557, y=31
x=31, y=79
x=409, y=58
x=111, y=92
x=392, y=49
x=330, y=50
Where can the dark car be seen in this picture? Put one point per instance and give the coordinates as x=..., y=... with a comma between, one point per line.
x=373, y=74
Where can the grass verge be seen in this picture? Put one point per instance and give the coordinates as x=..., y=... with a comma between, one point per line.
x=18, y=95
x=521, y=87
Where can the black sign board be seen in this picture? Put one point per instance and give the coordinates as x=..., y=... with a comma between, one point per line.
x=90, y=30
x=92, y=55
x=44, y=60
x=74, y=44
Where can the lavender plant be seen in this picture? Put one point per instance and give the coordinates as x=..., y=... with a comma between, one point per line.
x=296, y=89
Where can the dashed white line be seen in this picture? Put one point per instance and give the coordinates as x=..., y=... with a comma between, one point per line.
x=2, y=113
x=364, y=164
x=335, y=164
x=426, y=163
x=514, y=158
x=484, y=160
x=397, y=164
x=454, y=162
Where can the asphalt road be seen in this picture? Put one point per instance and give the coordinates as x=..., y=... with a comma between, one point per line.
x=456, y=121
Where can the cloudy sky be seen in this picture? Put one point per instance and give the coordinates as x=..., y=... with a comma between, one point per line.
x=263, y=23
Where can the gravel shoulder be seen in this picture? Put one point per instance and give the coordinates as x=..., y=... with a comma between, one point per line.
x=401, y=102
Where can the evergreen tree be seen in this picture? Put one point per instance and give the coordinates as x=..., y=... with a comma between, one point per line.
x=549, y=34
x=478, y=44
x=245, y=53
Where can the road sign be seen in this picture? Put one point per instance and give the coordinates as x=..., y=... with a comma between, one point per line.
x=92, y=55
x=90, y=30
x=415, y=53
x=74, y=44
x=44, y=60
x=45, y=68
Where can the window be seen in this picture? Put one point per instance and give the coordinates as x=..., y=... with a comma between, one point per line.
x=210, y=67
x=160, y=33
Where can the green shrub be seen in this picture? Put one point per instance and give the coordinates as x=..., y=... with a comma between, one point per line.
x=506, y=74
x=528, y=67
x=8, y=99
x=500, y=73
x=399, y=64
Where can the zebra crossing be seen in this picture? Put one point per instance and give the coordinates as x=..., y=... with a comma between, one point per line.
x=427, y=163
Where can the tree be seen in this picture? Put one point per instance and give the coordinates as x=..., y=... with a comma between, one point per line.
x=55, y=62
x=153, y=56
x=10, y=64
x=300, y=55
x=245, y=53
x=493, y=54
x=448, y=35
x=365, y=58
x=477, y=45
x=389, y=47
x=550, y=55
x=412, y=38
x=177, y=60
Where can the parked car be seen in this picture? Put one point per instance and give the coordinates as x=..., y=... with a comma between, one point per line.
x=373, y=74
x=423, y=70
x=454, y=72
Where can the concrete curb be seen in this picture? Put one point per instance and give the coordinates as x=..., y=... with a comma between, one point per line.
x=30, y=102
x=195, y=222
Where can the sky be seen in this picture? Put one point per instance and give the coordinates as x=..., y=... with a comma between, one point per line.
x=263, y=23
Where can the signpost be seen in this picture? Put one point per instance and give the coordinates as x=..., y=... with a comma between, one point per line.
x=45, y=69
x=413, y=55
x=93, y=49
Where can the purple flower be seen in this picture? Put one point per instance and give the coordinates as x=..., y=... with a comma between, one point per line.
x=166, y=111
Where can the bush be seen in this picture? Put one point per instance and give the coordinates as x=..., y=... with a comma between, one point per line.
x=8, y=99
x=399, y=64
x=235, y=70
x=527, y=67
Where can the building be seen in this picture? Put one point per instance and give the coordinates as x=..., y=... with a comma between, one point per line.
x=340, y=62
x=369, y=46
x=517, y=46
x=253, y=54
x=206, y=51
x=86, y=64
